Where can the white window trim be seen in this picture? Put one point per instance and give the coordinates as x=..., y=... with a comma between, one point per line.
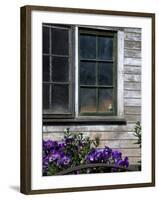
x=120, y=74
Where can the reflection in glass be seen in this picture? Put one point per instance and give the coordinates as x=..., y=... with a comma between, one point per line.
x=60, y=98
x=46, y=40
x=87, y=100
x=60, y=69
x=105, y=48
x=87, y=73
x=88, y=46
x=46, y=96
x=46, y=68
x=105, y=73
x=59, y=41
x=105, y=100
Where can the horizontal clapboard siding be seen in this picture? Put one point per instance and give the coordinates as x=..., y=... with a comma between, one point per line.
x=132, y=69
x=132, y=110
x=132, y=53
x=130, y=36
x=136, y=45
x=128, y=85
x=132, y=94
x=132, y=102
x=97, y=128
x=132, y=61
x=133, y=30
x=132, y=78
x=118, y=137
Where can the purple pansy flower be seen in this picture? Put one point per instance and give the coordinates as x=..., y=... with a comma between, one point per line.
x=116, y=155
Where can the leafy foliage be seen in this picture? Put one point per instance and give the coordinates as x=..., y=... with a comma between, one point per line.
x=77, y=149
x=137, y=133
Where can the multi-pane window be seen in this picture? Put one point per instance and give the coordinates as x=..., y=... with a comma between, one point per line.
x=96, y=66
x=97, y=84
x=57, y=78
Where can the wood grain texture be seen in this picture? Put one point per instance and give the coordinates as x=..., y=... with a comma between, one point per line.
x=132, y=110
x=133, y=30
x=132, y=69
x=135, y=45
x=132, y=36
x=132, y=94
x=98, y=128
x=132, y=85
x=132, y=61
x=131, y=53
x=102, y=135
x=133, y=118
x=132, y=102
x=132, y=77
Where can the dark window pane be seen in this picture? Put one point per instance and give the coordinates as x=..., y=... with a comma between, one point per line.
x=105, y=48
x=87, y=100
x=105, y=100
x=60, y=98
x=60, y=69
x=88, y=46
x=45, y=40
x=46, y=96
x=60, y=43
x=46, y=68
x=87, y=73
x=105, y=73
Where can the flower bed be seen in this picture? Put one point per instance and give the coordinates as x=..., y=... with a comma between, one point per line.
x=75, y=150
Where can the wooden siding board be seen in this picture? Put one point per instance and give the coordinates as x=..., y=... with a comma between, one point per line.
x=119, y=144
x=132, y=61
x=132, y=70
x=132, y=77
x=132, y=85
x=133, y=30
x=132, y=110
x=132, y=36
x=133, y=118
x=129, y=152
x=136, y=45
x=131, y=53
x=119, y=128
x=102, y=135
x=132, y=102
x=132, y=94
x=133, y=160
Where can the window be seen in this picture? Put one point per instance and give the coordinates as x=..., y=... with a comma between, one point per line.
x=97, y=66
x=57, y=71
x=96, y=85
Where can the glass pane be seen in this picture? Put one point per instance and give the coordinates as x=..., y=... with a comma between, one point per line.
x=60, y=98
x=88, y=46
x=105, y=48
x=45, y=40
x=59, y=41
x=46, y=68
x=105, y=73
x=87, y=73
x=60, y=69
x=46, y=96
x=87, y=100
x=105, y=100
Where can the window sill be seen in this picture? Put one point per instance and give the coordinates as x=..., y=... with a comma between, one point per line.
x=84, y=121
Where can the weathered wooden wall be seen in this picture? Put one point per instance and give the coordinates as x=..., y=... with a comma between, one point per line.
x=118, y=137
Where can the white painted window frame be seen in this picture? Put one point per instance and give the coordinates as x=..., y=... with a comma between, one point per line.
x=120, y=73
